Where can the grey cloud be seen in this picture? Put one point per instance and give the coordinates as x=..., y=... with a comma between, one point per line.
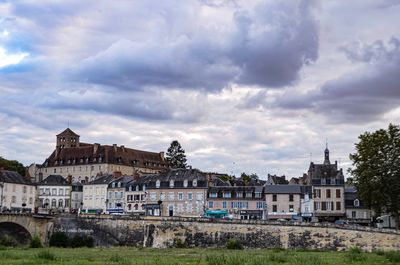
x=360, y=96
x=267, y=46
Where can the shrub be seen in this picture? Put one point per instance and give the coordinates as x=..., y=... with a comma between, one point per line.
x=36, y=242
x=355, y=254
x=393, y=256
x=47, y=255
x=8, y=241
x=234, y=244
x=59, y=239
x=179, y=243
x=82, y=241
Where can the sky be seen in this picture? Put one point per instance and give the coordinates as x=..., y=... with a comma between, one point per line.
x=244, y=86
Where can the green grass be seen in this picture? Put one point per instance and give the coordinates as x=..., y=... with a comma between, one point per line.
x=195, y=256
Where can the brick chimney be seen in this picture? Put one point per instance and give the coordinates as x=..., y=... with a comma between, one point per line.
x=95, y=148
x=69, y=179
x=117, y=174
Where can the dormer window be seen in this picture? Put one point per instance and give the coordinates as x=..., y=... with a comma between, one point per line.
x=94, y=159
x=356, y=203
x=158, y=184
x=130, y=188
x=81, y=160
x=56, y=162
x=171, y=183
x=195, y=183
x=119, y=184
x=69, y=161
x=87, y=159
x=144, y=187
x=100, y=159
x=113, y=185
x=137, y=187
x=185, y=183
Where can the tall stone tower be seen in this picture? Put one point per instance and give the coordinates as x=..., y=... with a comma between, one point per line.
x=67, y=139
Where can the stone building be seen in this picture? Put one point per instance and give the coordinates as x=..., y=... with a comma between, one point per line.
x=135, y=196
x=16, y=192
x=240, y=202
x=356, y=212
x=76, y=196
x=116, y=202
x=283, y=201
x=178, y=192
x=328, y=189
x=95, y=193
x=83, y=161
x=54, y=193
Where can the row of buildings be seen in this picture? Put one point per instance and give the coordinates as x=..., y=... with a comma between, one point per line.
x=96, y=178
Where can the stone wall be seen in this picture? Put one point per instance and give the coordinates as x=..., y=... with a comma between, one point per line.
x=165, y=233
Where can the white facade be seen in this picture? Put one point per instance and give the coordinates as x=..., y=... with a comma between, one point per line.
x=307, y=207
x=15, y=196
x=94, y=197
x=55, y=197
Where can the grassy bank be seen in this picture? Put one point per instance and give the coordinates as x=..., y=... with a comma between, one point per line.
x=130, y=256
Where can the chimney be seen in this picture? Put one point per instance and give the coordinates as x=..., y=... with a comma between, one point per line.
x=69, y=178
x=117, y=174
x=136, y=175
x=115, y=147
x=162, y=156
x=123, y=148
x=95, y=148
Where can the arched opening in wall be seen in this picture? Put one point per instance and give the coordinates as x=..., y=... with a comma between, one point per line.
x=12, y=234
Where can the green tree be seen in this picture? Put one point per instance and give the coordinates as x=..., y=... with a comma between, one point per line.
x=376, y=170
x=176, y=155
x=12, y=165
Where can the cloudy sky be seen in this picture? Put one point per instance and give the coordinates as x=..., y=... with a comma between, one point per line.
x=253, y=86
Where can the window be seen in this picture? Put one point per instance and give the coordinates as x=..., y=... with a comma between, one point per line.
x=24, y=189
x=180, y=196
x=338, y=206
x=274, y=208
x=260, y=205
x=258, y=195
x=158, y=184
x=53, y=203
x=224, y=205
x=338, y=193
x=30, y=200
x=290, y=197
x=13, y=199
x=328, y=193
x=171, y=183
x=54, y=192
x=195, y=183
x=41, y=191
x=48, y=191
x=190, y=196
x=66, y=204
x=353, y=214
x=55, y=170
x=317, y=193
x=274, y=197
x=61, y=192
x=249, y=194
x=185, y=183
x=239, y=195
x=323, y=208
x=227, y=195
x=291, y=208
x=210, y=204
x=356, y=203
x=60, y=203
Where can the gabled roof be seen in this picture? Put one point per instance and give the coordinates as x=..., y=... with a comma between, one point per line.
x=13, y=177
x=283, y=189
x=54, y=180
x=68, y=131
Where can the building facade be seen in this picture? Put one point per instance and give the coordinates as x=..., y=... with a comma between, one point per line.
x=116, y=202
x=54, y=193
x=356, y=212
x=83, y=161
x=17, y=194
x=76, y=196
x=95, y=194
x=178, y=192
x=283, y=201
x=328, y=190
x=135, y=196
x=240, y=202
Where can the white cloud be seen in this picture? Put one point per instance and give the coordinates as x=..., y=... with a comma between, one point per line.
x=7, y=59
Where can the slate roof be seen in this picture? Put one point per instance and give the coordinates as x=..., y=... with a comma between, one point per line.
x=178, y=176
x=54, y=180
x=283, y=189
x=125, y=180
x=68, y=131
x=101, y=180
x=13, y=177
x=85, y=154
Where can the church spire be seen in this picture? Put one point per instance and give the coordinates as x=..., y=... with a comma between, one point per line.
x=326, y=161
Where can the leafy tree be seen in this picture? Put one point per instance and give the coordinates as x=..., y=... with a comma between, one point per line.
x=12, y=165
x=376, y=170
x=176, y=155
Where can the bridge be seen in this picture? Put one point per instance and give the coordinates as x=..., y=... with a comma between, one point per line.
x=23, y=227
x=160, y=232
